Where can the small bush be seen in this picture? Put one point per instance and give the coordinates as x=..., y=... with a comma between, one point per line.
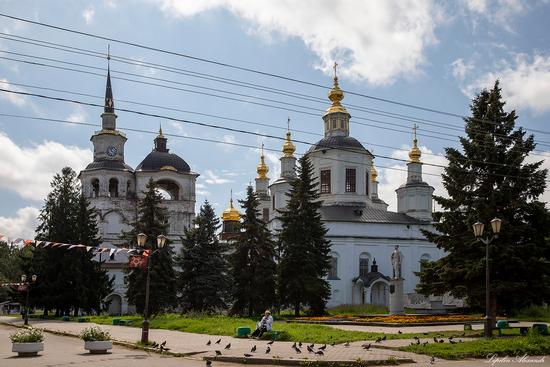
x=283, y=336
x=94, y=334
x=30, y=335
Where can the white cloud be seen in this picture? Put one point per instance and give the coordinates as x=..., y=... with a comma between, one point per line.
x=78, y=115
x=200, y=189
x=376, y=41
x=15, y=99
x=22, y=225
x=88, y=15
x=525, y=82
x=461, y=68
x=391, y=179
x=29, y=170
x=230, y=139
x=213, y=179
x=497, y=12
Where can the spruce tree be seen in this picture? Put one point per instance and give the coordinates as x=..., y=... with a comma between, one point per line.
x=491, y=178
x=202, y=282
x=304, y=251
x=252, y=262
x=152, y=221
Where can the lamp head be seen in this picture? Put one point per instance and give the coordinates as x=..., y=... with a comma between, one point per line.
x=141, y=238
x=161, y=241
x=33, y=278
x=495, y=224
x=23, y=278
x=478, y=229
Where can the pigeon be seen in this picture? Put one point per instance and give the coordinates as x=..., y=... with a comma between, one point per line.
x=209, y=342
x=294, y=345
x=247, y=355
x=441, y=341
x=383, y=338
x=253, y=349
x=399, y=332
x=312, y=346
x=267, y=350
x=300, y=344
x=432, y=360
x=228, y=346
x=366, y=346
x=435, y=340
x=452, y=341
x=417, y=341
x=155, y=345
x=320, y=353
x=163, y=349
x=163, y=343
x=310, y=349
x=219, y=341
x=297, y=349
x=208, y=363
x=323, y=347
x=271, y=342
x=218, y=353
x=346, y=344
x=416, y=338
x=425, y=343
x=378, y=340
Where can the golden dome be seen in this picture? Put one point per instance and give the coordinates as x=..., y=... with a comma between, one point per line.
x=415, y=153
x=262, y=168
x=231, y=213
x=373, y=173
x=288, y=146
x=336, y=95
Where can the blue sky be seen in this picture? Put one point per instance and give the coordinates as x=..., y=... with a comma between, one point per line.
x=432, y=54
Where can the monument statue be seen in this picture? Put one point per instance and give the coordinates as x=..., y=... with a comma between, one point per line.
x=396, y=259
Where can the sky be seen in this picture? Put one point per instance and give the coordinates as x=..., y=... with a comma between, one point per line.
x=436, y=55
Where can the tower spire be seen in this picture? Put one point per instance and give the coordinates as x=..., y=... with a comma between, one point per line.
x=262, y=168
x=415, y=152
x=109, y=101
x=288, y=146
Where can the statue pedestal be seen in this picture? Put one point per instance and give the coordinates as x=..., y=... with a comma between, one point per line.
x=397, y=305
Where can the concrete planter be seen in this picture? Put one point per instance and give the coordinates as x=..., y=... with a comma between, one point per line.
x=27, y=349
x=98, y=347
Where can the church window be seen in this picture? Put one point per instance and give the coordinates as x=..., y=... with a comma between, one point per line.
x=95, y=187
x=334, y=123
x=325, y=181
x=265, y=215
x=367, y=183
x=113, y=188
x=128, y=189
x=333, y=272
x=363, y=266
x=169, y=190
x=350, y=179
x=273, y=202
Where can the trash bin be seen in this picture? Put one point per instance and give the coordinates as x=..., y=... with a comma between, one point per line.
x=502, y=324
x=467, y=326
x=242, y=331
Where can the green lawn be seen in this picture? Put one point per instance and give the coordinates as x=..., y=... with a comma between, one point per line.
x=225, y=325
x=484, y=348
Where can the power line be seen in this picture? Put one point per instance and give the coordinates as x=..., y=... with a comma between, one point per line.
x=232, y=98
x=292, y=94
x=236, y=67
x=218, y=127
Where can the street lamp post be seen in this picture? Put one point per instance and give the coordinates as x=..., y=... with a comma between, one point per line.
x=161, y=241
x=478, y=232
x=28, y=290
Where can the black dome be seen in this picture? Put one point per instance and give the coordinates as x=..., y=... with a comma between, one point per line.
x=156, y=161
x=334, y=142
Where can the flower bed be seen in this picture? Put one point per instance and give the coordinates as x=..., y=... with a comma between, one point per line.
x=395, y=319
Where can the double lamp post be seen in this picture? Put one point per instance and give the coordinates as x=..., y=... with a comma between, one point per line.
x=478, y=232
x=141, y=240
x=27, y=286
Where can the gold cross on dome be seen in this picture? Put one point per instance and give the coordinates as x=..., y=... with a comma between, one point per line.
x=288, y=124
x=334, y=67
x=414, y=130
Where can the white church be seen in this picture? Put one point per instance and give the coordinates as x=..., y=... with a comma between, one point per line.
x=362, y=232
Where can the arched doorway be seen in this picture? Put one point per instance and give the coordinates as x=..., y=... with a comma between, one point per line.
x=114, y=302
x=379, y=294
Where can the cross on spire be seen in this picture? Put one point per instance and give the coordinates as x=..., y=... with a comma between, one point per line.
x=334, y=67
x=288, y=124
x=414, y=130
x=262, y=148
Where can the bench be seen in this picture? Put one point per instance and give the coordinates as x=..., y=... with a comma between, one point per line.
x=504, y=324
x=242, y=331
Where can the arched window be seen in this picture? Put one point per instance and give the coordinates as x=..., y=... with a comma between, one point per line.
x=364, y=262
x=113, y=188
x=425, y=258
x=169, y=190
x=129, y=189
x=95, y=188
x=333, y=272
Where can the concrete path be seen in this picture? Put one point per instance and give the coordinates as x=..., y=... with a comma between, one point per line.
x=195, y=344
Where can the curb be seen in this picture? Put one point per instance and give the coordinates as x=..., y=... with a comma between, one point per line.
x=303, y=362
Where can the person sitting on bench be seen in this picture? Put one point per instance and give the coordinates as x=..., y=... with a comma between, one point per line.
x=264, y=325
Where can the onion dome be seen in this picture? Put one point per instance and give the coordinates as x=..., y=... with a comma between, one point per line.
x=373, y=173
x=336, y=95
x=288, y=146
x=231, y=213
x=161, y=160
x=415, y=152
x=262, y=168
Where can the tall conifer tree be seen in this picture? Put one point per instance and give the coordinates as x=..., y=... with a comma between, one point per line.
x=305, y=259
x=153, y=221
x=202, y=282
x=252, y=262
x=492, y=179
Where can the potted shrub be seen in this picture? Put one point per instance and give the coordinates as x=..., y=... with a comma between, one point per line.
x=96, y=340
x=27, y=342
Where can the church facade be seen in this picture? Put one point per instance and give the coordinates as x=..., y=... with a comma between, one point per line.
x=115, y=190
x=362, y=232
